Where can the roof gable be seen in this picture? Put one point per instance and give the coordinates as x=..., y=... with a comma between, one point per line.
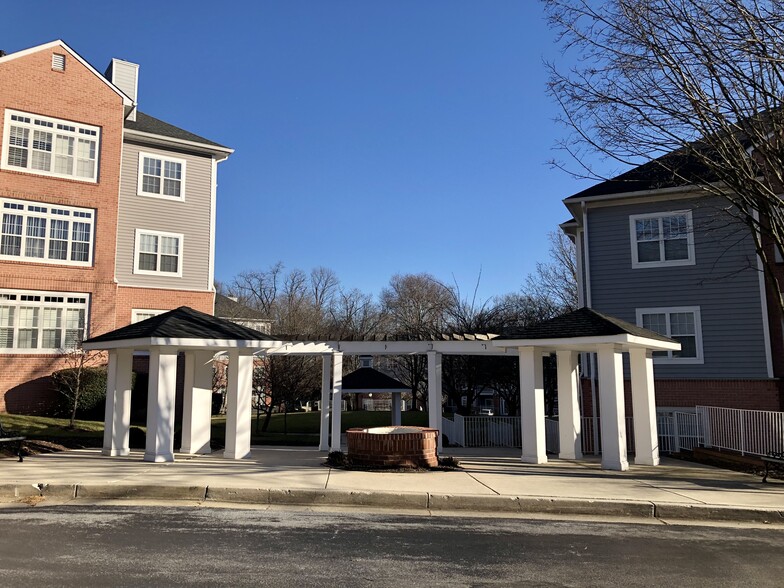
x=60, y=43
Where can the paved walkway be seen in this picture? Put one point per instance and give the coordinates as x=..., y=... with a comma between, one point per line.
x=490, y=481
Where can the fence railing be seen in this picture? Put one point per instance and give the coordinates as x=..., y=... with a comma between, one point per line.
x=757, y=432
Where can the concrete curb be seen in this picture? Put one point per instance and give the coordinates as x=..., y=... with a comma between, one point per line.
x=401, y=501
x=147, y=492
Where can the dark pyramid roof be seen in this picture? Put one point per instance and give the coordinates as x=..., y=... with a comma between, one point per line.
x=183, y=323
x=584, y=322
x=149, y=124
x=368, y=378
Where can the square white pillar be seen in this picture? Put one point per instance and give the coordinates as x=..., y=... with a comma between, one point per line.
x=337, y=398
x=160, y=405
x=396, y=416
x=239, y=392
x=326, y=390
x=646, y=435
x=613, y=415
x=434, y=394
x=117, y=419
x=532, y=405
x=197, y=402
x=569, y=425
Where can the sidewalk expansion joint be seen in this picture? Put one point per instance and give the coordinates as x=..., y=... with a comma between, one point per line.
x=483, y=484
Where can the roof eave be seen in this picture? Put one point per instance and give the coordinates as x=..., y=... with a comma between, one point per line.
x=625, y=341
x=220, y=153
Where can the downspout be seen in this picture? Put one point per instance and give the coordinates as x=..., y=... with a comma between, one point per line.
x=588, y=302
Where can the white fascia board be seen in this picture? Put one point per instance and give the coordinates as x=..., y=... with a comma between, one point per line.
x=376, y=391
x=210, y=344
x=127, y=101
x=387, y=348
x=220, y=153
x=624, y=342
x=688, y=191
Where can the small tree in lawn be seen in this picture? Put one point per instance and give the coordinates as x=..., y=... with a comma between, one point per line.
x=77, y=379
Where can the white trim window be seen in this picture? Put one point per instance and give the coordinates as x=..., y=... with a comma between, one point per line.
x=681, y=323
x=158, y=253
x=36, y=322
x=46, y=233
x=160, y=176
x=662, y=239
x=142, y=314
x=50, y=146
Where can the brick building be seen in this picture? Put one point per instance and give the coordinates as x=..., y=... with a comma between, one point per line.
x=108, y=214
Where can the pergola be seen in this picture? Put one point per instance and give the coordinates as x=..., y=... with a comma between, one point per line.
x=201, y=337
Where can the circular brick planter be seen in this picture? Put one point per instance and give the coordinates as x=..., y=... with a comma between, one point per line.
x=393, y=447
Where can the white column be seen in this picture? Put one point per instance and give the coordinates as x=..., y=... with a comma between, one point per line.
x=613, y=416
x=532, y=405
x=396, y=416
x=646, y=436
x=569, y=430
x=160, y=405
x=239, y=390
x=197, y=402
x=326, y=376
x=337, y=397
x=434, y=394
x=117, y=420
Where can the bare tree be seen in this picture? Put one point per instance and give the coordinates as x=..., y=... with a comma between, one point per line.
x=555, y=281
x=71, y=380
x=695, y=86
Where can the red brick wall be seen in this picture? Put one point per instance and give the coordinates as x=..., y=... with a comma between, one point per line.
x=158, y=299
x=748, y=394
x=29, y=84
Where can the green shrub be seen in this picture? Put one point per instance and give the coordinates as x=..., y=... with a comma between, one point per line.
x=92, y=397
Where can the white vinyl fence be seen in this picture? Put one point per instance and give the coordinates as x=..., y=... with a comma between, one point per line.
x=677, y=430
x=757, y=432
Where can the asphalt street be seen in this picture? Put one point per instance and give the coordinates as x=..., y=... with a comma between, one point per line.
x=154, y=546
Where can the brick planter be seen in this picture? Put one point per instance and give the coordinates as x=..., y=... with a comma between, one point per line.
x=393, y=447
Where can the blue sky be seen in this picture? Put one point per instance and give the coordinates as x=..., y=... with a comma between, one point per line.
x=372, y=138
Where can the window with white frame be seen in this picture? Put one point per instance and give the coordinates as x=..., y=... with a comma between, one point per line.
x=142, y=314
x=662, y=239
x=50, y=146
x=158, y=253
x=34, y=321
x=46, y=233
x=679, y=323
x=161, y=176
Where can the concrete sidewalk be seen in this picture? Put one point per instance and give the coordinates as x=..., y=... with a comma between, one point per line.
x=492, y=480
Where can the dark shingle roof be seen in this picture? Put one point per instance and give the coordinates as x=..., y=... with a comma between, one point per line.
x=227, y=308
x=183, y=323
x=367, y=378
x=148, y=124
x=583, y=322
x=669, y=171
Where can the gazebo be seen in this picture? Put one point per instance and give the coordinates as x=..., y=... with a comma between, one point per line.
x=200, y=337
x=368, y=380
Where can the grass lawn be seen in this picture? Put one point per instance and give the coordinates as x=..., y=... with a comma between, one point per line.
x=302, y=428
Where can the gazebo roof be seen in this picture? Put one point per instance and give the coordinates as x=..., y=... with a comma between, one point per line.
x=583, y=322
x=584, y=329
x=180, y=324
x=368, y=379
